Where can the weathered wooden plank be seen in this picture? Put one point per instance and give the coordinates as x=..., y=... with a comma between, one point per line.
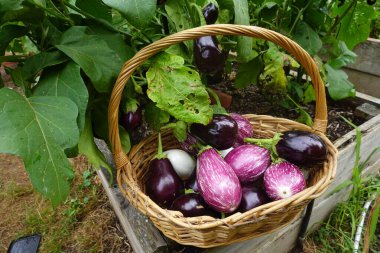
x=368, y=60
x=141, y=233
x=364, y=82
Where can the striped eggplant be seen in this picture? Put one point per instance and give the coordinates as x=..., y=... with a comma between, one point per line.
x=245, y=129
x=248, y=161
x=217, y=182
x=283, y=180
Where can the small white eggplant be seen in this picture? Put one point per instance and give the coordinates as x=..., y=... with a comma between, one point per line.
x=182, y=162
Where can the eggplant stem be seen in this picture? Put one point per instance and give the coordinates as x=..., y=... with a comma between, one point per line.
x=269, y=143
x=160, y=153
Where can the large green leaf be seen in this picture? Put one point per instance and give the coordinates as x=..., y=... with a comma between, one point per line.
x=178, y=89
x=65, y=81
x=96, y=58
x=38, y=62
x=307, y=38
x=356, y=25
x=27, y=14
x=345, y=56
x=244, y=44
x=8, y=33
x=338, y=85
x=155, y=117
x=138, y=13
x=274, y=77
x=38, y=129
x=96, y=8
x=179, y=13
x=87, y=147
x=248, y=73
x=7, y=5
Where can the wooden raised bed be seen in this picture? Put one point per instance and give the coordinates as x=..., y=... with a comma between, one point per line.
x=145, y=238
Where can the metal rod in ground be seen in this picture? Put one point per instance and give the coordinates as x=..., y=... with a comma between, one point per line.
x=303, y=229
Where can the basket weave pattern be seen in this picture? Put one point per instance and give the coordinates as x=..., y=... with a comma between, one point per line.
x=207, y=231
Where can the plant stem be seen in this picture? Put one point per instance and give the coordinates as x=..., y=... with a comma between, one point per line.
x=215, y=96
x=299, y=15
x=56, y=14
x=13, y=58
x=160, y=153
x=102, y=22
x=338, y=19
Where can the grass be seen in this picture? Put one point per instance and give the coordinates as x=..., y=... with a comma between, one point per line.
x=84, y=223
x=337, y=234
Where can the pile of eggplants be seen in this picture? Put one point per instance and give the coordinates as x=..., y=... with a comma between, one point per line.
x=197, y=180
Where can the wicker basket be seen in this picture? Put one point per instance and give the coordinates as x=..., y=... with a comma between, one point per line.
x=206, y=231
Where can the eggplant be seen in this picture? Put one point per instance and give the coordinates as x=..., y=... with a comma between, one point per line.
x=301, y=148
x=189, y=145
x=191, y=183
x=217, y=182
x=191, y=205
x=220, y=133
x=163, y=185
x=245, y=129
x=283, y=180
x=131, y=119
x=252, y=197
x=208, y=57
x=371, y=2
x=210, y=13
x=248, y=161
x=181, y=161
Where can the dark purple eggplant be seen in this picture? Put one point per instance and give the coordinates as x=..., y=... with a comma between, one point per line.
x=163, y=185
x=371, y=2
x=208, y=57
x=301, y=148
x=191, y=183
x=131, y=120
x=220, y=133
x=191, y=205
x=252, y=197
x=210, y=13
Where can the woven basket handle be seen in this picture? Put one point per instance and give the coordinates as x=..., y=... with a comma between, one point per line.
x=320, y=120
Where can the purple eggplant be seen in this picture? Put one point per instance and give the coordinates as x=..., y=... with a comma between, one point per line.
x=210, y=13
x=191, y=183
x=189, y=145
x=217, y=182
x=252, y=197
x=301, y=148
x=283, y=180
x=220, y=133
x=131, y=120
x=191, y=205
x=163, y=185
x=248, y=161
x=208, y=57
x=245, y=129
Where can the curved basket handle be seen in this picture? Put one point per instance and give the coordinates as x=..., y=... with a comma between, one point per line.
x=320, y=120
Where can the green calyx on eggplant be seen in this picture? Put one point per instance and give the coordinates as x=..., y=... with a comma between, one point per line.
x=301, y=148
x=210, y=13
x=220, y=133
x=209, y=58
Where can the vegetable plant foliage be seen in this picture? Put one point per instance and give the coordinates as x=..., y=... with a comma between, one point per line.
x=70, y=52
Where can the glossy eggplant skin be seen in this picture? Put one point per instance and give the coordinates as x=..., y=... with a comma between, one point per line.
x=220, y=133
x=191, y=183
x=302, y=148
x=252, y=197
x=208, y=57
x=163, y=185
x=191, y=205
x=131, y=120
x=210, y=13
